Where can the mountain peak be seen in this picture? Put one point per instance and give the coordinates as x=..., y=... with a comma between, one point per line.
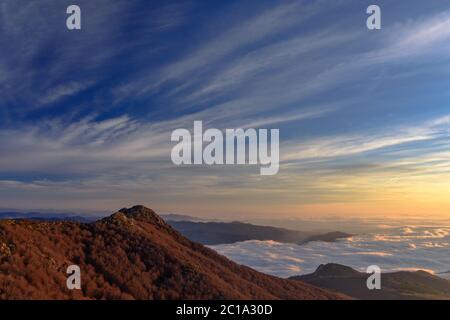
x=126, y=217
x=335, y=270
x=140, y=212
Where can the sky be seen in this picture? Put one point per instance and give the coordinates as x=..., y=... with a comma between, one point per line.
x=86, y=116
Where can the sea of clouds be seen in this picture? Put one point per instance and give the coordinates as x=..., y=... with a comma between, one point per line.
x=404, y=248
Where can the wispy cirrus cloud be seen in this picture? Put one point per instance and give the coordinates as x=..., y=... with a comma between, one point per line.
x=66, y=90
x=348, y=145
x=97, y=108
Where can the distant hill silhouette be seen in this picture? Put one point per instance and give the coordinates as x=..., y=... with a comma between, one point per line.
x=327, y=237
x=38, y=216
x=132, y=254
x=212, y=233
x=400, y=285
x=181, y=217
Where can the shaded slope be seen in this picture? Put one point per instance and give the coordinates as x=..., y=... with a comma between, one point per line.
x=132, y=254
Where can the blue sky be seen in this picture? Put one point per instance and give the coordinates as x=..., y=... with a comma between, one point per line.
x=86, y=116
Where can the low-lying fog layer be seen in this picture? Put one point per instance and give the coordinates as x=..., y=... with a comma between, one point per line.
x=406, y=248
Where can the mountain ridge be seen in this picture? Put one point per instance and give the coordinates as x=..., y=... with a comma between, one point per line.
x=132, y=254
x=399, y=285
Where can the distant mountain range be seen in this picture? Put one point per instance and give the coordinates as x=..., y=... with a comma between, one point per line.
x=38, y=216
x=212, y=233
x=181, y=217
x=132, y=254
x=399, y=285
